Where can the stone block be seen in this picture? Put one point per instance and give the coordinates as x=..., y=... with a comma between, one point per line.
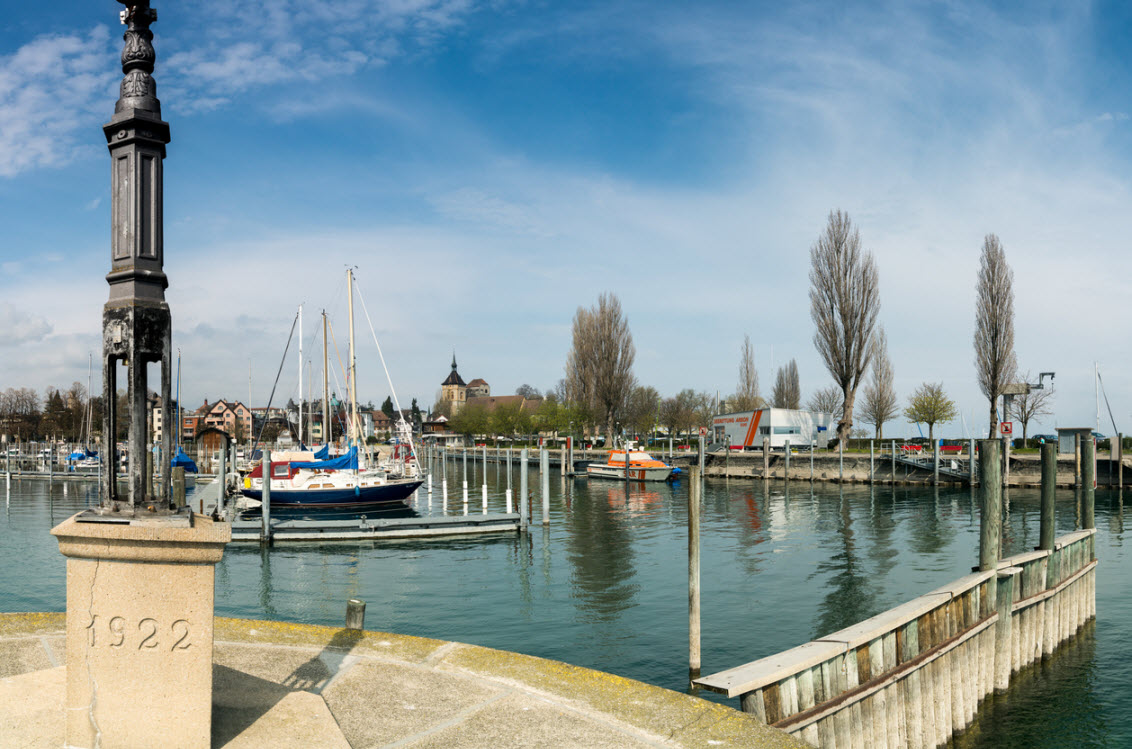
x=139, y=631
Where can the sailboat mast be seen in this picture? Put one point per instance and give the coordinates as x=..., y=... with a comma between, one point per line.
x=310, y=404
x=353, y=360
x=327, y=422
x=1097, y=389
x=300, y=422
x=178, y=398
x=88, y=417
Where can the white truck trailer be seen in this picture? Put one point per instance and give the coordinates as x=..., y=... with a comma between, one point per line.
x=746, y=430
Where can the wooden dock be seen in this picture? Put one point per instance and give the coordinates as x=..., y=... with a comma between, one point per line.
x=373, y=529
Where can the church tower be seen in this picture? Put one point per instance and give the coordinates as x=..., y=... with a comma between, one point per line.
x=453, y=390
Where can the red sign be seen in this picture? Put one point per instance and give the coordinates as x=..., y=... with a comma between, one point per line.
x=703, y=431
x=1006, y=427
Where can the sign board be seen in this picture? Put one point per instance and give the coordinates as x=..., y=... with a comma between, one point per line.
x=703, y=431
x=1006, y=427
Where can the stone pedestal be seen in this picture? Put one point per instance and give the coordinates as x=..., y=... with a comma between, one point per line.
x=139, y=630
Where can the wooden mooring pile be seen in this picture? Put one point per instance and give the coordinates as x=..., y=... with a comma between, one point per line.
x=915, y=675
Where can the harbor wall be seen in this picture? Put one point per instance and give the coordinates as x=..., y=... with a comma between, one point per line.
x=915, y=675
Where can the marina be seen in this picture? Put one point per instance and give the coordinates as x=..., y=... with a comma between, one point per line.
x=638, y=554
x=602, y=584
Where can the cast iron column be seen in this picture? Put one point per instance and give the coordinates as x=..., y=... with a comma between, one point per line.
x=136, y=325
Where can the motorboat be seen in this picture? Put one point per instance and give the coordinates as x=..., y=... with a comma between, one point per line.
x=642, y=466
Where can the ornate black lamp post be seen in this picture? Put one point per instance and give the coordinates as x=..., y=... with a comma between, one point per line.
x=136, y=325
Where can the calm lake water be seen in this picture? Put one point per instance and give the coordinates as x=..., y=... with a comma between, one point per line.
x=605, y=585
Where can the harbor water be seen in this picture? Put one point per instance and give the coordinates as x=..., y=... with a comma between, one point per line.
x=604, y=585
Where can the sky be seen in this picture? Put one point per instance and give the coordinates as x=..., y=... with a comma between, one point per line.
x=489, y=167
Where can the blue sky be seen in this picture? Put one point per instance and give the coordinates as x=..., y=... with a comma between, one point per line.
x=490, y=166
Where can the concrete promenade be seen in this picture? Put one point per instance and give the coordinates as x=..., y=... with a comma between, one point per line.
x=292, y=685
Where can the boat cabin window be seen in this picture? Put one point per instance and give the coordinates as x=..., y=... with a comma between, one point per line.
x=280, y=471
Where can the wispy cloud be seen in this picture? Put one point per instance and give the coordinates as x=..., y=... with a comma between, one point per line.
x=18, y=326
x=58, y=84
x=48, y=89
x=247, y=45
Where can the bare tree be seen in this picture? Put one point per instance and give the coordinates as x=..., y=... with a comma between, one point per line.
x=930, y=405
x=641, y=409
x=527, y=391
x=599, y=368
x=827, y=400
x=1032, y=405
x=995, y=363
x=787, y=390
x=878, y=403
x=844, y=302
x=746, y=396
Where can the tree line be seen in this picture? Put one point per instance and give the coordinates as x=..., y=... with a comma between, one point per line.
x=24, y=415
x=601, y=392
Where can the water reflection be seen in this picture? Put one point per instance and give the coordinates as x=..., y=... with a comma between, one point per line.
x=1051, y=703
x=850, y=598
x=608, y=587
x=882, y=527
x=599, y=549
x=933, y=530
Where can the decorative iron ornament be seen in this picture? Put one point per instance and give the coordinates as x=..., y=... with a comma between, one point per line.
x=138, y=89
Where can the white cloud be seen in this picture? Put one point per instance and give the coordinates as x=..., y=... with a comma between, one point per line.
x=248, y=45
x=19, y=326
x=59, y=84
x=49, y=88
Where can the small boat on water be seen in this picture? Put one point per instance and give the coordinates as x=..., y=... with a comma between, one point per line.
x=182, y=460
x=83, y=461
x=642, y=466
x=335, y=483
x=319, y=480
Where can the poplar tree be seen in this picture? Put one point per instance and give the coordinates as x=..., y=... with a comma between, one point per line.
x=844, y=304
x=995, y=362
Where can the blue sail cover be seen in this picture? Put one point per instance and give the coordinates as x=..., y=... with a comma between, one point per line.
x=349, y=462
x=323, y=453
x=183, y=460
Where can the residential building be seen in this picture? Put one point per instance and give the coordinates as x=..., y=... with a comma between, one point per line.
x=232, y=417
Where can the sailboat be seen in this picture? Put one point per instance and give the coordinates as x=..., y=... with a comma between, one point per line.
x=85, y=460
x=341, y=482
x=180, y=458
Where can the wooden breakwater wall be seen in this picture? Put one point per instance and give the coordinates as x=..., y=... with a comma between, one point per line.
x=857, y=468
x=915, y=675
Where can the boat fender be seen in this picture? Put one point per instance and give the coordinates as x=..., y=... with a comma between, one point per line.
x=357, y=491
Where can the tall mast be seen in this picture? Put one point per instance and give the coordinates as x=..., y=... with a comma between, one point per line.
x=327, y=422
x=88, y=414
x=178, y=399
x=353, y=362
x=1097, y=389
x=300, y=423
x=310, y=407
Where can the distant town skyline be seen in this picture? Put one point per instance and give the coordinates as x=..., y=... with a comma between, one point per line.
x=488, y=167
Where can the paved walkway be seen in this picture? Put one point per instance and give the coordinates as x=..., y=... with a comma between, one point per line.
x=288, y=685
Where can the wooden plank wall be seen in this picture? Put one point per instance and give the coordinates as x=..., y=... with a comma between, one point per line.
x=916, y=674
